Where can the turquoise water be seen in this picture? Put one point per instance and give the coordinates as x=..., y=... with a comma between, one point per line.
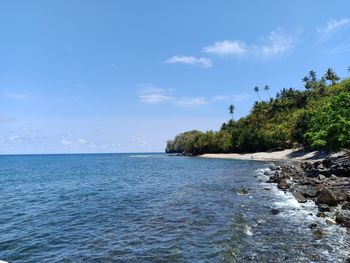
x=152, y=208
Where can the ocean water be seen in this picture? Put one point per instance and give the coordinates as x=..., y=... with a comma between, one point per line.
x=153, y=208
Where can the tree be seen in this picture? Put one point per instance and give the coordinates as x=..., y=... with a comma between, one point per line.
x=267, y=89
x=331, y=76
x=231, y=109
x=307, y=82
x=256, y=89
x=313, y=76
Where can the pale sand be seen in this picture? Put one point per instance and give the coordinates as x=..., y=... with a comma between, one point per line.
x=296, y=155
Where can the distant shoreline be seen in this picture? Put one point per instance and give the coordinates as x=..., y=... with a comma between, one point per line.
x=289, y=155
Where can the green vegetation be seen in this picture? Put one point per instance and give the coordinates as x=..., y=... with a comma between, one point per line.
x=317, y=117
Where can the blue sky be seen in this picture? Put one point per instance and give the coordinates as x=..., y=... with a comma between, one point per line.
x=125, y=76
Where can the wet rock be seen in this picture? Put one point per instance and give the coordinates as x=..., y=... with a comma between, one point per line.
x=326, y=197
x=343, y=218
x=243, y=191
x=275, y=211
x=321, y=214
x=283, y=184
x=299, y=197
x=307, y=191
x=318, y=234
x=312, y=225
x=330, y=222
x=324, y=208
x=346, y=206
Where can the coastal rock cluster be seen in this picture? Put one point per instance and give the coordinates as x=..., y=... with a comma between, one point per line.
x=326, y=182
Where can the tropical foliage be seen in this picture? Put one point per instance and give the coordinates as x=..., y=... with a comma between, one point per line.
x=317, y=117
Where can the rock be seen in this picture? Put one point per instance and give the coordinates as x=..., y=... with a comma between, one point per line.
x=283, y=184
x=321, y=177
x=243, y=191
x=318, y=234
x=321, y=214
x=275, y=211
x=326, y=197
x=307, y=191
x=333, y=177
x=324, y=208
x=346, y=206
x=343, y=218
x=330, y=222
x=299, y=197
x=312, y=225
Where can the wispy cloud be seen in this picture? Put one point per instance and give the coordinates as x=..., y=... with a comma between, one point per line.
x=7, y=119
x=190, y=60
x=190, y=102
x=14, y=96
x=227, y=47
x=277, y=44
x=150, y=94
x=333, y=26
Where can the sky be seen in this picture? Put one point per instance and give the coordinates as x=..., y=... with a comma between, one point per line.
x=126, y=76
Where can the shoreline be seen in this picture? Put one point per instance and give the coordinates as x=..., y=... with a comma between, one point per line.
x=289, y=155
x=319, y=176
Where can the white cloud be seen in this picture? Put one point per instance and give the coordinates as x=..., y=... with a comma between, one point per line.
x=227, y=47
x=278, y=43
x=332, y=27
x=150, y=94
x=72, y=142
x=191, y=102
x=220, y=98
x=15, y=96
x=190, y=60
x=14, y=138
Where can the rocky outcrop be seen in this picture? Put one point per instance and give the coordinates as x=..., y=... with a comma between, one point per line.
x=326, y=182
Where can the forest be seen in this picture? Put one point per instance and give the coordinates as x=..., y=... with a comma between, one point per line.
x=315, y=117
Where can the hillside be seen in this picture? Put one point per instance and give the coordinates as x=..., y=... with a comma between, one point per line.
x=317, y=117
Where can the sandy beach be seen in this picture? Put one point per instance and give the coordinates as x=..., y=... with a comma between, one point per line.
x=297, y=155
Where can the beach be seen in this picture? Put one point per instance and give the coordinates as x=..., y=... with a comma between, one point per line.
x=296, y=155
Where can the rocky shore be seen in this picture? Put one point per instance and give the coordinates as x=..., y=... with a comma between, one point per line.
x=325, y=181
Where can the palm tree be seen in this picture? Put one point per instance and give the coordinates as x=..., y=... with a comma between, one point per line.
x=231, y=109
x=313, y=75
x=331, y=76
x=307, y=82
x=267, y=89
x=256, y=89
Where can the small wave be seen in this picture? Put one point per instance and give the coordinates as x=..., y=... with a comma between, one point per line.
x=142, y=156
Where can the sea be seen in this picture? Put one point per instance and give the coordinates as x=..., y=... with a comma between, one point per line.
x=154, y=208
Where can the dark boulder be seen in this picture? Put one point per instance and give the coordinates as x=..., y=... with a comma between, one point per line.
x=283, y=184
x=324, y=208
x=326, y=197
x=275, y=211
x=343, y=218
x=308, y=191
